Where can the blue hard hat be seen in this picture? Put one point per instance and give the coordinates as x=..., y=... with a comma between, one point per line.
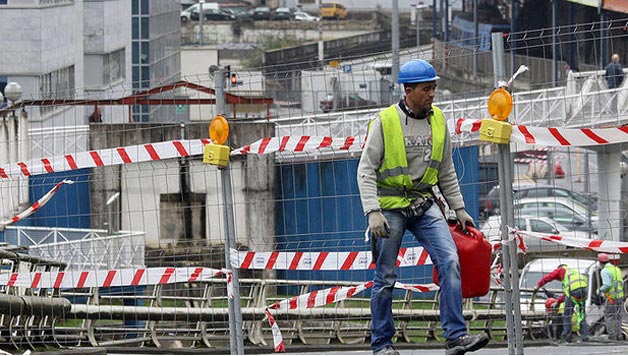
x=417, y=71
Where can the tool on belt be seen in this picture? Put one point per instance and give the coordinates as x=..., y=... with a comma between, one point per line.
x=416, y=209
x=609, y=298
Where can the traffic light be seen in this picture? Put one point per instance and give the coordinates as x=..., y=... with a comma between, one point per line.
x=234, y=79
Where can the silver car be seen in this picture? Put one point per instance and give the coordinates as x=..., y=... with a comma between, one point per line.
x=533, y=223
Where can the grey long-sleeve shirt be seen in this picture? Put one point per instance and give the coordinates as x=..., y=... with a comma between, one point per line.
x=418, y=138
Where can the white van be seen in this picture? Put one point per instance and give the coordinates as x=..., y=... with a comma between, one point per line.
x=185, y=14
x=539, y=267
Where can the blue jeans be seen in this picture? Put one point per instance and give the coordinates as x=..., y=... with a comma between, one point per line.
x=432, y=232
x=570, y=304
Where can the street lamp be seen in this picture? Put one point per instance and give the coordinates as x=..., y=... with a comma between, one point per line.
x=14, y=134
x=419, y=10
x=13, y=92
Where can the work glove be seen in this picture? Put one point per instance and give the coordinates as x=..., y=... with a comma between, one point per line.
x=378, y=226
x=464, y=219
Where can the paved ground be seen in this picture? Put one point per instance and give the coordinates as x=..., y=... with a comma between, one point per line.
x=590, y=348
x=493, y=348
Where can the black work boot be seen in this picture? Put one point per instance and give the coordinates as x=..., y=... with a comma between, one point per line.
x=466, y=343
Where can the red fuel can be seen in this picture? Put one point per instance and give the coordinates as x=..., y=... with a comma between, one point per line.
x=474, y=253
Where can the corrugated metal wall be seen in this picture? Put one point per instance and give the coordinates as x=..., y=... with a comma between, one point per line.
x=319, y=209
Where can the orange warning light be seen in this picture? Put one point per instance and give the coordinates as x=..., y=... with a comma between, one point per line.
x=500, y=104
x=219, y=130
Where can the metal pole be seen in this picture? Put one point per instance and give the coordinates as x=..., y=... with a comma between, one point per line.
x=419, y=11
x=572, y=42
x=395, y=42
x=602, y=35
x=554, y=43
x=321, y=43
x=24, y=151
x=440, y=21
x=235, y=309
x=477, y=40
x=509, y=256
x=434, y=18
x=418, y=29
x=503, y=152
x=550, y=167
x=201, y=22
x=587, y=188
x=513, y=29
x=446, y=25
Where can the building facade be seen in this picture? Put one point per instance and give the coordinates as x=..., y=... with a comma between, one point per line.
x=156, y=58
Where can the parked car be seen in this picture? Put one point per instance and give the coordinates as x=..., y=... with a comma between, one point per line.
x=538, y=224
x=537, y=190
x=351, y=101
x=304, y=16
x=186, y=15
x=562, y=210
x=213, y=15
x=564, y=216
x=262, y=13
x=333, y=11
x=283, y=13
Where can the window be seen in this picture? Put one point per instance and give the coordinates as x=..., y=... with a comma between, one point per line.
x=58, y=84
x=145, y=7
x=560, y=193
x=541, y=226
x=144, y=28
x=113, y=66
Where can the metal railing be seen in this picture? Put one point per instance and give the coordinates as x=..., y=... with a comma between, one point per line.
x=81, y=249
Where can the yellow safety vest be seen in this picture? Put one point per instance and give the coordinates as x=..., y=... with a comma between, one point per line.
x=617, y=284
x=573, y=280
x=393, y=175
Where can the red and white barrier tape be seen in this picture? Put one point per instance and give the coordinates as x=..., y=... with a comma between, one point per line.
x=513, y=234
x=37, y=205
x=327, y=296
x=420, y=288
x=113, y=277
x=529, y=160
x=593, y=245
x=553, y=136
x=300, y=144
x=106, y=157
x=280, y=346
x=319, y=298
x=323, y=261
x=183, y=148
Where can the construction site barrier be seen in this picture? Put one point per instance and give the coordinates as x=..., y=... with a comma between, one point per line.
x=42, y=313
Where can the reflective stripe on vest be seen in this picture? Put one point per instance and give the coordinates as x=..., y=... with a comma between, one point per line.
x=393, y=175
x=573, y=280
x=617, y=284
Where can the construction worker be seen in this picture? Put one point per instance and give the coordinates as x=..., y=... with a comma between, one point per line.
x=612, y=290
x=407, y=152
x=574, y=296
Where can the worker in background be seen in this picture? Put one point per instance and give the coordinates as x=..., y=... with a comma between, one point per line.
x=614, y=74
x=612, y=291
x=574, y=296
x=408, y=152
